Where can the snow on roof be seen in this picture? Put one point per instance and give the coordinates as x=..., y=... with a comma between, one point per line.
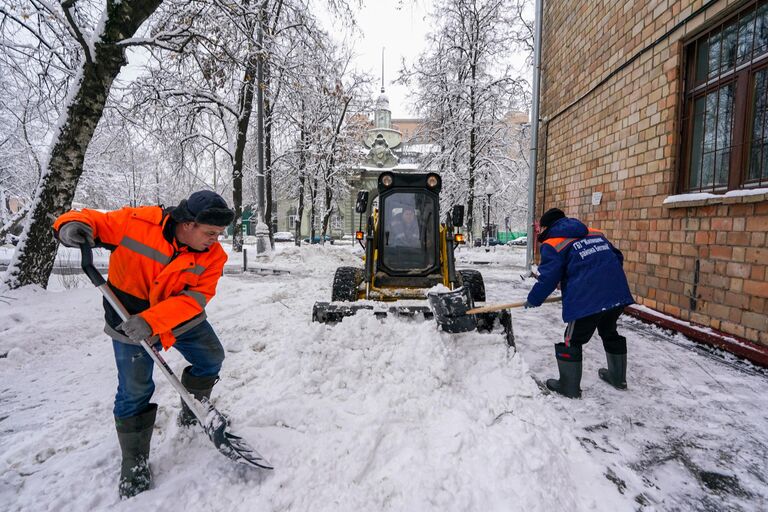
x=382, y=102
x=397, y=168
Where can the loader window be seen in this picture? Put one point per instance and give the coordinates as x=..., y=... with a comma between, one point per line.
x=409, y=237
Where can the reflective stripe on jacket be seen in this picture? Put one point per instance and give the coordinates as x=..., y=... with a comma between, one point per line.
x=587, y=267
x=166, y=284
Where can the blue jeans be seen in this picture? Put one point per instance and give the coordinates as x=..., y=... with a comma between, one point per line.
x=200, y=346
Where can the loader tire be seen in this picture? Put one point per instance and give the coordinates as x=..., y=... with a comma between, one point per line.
x=473, y=280
x=345, y=284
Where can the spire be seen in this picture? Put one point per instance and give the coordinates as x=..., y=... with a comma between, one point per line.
x=383, y=115
x=382, y=70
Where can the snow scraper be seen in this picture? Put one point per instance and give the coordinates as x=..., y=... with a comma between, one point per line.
x=213, y=422
x=408, y=252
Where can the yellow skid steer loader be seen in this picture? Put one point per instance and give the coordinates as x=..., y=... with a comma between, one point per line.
x=408, y=251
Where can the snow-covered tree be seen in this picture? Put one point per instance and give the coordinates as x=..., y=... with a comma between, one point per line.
x=466, y=87
x=319, y=133
x=84, y=44
x=213, y=85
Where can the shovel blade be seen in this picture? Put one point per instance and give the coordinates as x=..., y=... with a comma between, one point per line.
x=450, y=309
x=232, y=446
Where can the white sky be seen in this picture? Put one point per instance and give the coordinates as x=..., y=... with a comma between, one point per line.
x=400, y=30
x=400, y=27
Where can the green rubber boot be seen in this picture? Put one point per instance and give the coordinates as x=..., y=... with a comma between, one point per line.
x=570, y=379
x=616, y=373
x=134, y=435
x=199, y=387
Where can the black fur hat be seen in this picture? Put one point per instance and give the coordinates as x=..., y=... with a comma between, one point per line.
x=204, y=207
x=551, y=216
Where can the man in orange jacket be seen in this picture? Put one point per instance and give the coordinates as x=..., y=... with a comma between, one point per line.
x=164, y=267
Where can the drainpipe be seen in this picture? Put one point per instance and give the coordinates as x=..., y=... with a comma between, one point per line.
x=534, y=135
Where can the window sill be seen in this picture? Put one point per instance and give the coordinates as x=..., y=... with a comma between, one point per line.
x=754, y=195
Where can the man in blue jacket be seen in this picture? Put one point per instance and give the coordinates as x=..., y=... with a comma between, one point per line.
x=595, y=290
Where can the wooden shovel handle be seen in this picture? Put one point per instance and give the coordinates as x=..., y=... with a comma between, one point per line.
x=499, y=307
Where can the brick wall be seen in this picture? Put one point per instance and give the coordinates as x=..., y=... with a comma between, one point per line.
x=621, y=139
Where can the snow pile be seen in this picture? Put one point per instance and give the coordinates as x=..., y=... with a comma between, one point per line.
x=319, y=259
x=364, y=415
x=496, y=255
x=378, y=415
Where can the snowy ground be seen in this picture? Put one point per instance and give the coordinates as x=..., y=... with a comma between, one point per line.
x=373, y=415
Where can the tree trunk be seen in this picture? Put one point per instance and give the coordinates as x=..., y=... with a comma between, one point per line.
x=35, y=254
x=3, y=209
x=472, y=156
x=299, y=210
x=302, y=176
x=246, y=105
x=331, y=166
x=271, y=203
x=312, y=208
x=328, y=207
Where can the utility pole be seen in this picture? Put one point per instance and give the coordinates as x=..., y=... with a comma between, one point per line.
x=531, y=221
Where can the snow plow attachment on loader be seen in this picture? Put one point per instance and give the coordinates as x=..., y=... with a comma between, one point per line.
x=332, y=312
x=453, y=313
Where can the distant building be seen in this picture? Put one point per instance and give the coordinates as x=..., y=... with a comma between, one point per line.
x=392, y=147
x=384, y=147
x=655, y=130
x=398, y=145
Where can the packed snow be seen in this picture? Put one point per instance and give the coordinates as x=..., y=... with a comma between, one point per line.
x=374, y=414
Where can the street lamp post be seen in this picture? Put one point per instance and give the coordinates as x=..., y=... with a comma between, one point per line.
x=262, y=230
x=488, y=192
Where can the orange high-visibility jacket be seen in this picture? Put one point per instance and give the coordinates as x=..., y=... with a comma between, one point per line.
x=167, y=284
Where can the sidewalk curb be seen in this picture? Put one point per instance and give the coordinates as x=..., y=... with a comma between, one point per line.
x=757, y=354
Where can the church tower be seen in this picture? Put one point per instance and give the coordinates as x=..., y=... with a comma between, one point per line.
x=382, y=139
x=383, y=115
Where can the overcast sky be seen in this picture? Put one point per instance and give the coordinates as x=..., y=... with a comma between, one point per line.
x=400, y=30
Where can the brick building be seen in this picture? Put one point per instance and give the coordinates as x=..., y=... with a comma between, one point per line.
x=654, y=129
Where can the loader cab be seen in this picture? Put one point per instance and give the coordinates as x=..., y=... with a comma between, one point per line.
x=408, y=234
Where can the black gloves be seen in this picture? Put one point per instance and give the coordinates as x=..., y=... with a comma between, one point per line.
x=73, y=234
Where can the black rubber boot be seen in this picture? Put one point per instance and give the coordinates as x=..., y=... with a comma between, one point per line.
x=570, y=379
x=134, y=434
x=199, y=387
x=616, y=373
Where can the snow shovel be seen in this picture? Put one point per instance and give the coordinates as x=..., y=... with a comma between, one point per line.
x=213, y=422
x=500, y=307
x=450, y=310
x=454, y=310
